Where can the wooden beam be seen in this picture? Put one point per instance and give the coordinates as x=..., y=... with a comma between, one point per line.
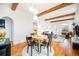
x=54, y=8
x=70, y=14
x=14, y=6
x=62, y=20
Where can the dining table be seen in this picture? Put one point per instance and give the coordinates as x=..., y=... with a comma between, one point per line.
x=39, y=39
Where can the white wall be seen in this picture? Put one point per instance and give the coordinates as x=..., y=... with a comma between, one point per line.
x=43, y=25
x=77, y=15
x=57, y=26
x=22, y=21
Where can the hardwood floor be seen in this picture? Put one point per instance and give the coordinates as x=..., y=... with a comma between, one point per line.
x=59, y=49
x=16, y=50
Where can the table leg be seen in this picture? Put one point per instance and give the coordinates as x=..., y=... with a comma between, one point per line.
x=40, y=48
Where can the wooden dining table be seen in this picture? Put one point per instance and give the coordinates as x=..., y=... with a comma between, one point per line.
x=39, y=39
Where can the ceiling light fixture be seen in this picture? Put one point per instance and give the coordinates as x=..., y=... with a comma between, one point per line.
x=33, y=9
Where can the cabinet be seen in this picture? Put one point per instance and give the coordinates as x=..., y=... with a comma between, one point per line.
x=5, y=50
x=5, y=46
x=2, y=23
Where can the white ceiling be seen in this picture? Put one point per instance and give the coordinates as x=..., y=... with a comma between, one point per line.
x=62, y=11
x=39, y=6
x=44, y=6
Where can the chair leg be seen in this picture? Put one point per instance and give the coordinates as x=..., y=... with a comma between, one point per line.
x=38, y=47
x=31, y=50
x=27, y=46
x=50, y=46
x=28, y=49
x=47, y=50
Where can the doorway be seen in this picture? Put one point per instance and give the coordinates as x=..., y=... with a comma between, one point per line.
x=9, y=28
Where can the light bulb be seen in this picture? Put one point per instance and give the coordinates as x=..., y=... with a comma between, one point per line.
x=33, y=10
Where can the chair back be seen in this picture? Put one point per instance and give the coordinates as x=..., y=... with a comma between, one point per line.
x=28, y=37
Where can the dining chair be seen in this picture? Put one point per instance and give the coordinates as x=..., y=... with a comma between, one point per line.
x=50, y=36
x=29, y=43
x=45, y=44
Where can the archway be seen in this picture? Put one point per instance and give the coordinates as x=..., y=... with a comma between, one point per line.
x=9, y=28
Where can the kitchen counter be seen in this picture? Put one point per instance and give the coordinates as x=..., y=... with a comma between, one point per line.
x=5, y=49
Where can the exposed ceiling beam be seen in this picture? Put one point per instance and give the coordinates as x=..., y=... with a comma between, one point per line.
x=14, y=6
x=54, y=8
x=62, y=20
x=61, y=16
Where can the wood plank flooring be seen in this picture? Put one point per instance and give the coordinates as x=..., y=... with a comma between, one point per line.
x=16, y=50
x=59, y=50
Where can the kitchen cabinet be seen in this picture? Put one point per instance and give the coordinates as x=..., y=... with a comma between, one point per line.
x=2, y=23
x=5, y=50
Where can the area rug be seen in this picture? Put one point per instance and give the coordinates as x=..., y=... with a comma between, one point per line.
x=36, y=53
x=58, y=39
